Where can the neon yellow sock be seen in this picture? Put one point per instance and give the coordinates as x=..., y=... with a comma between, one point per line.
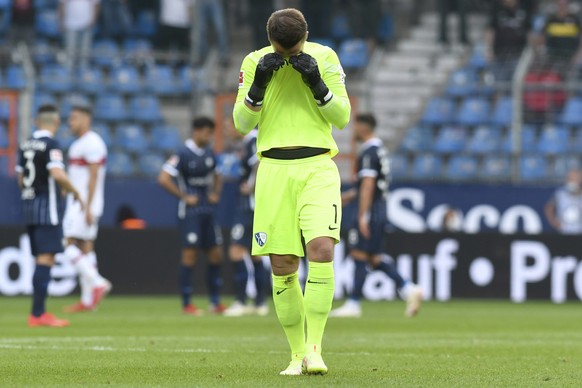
x=288, y=300
x=318, y=298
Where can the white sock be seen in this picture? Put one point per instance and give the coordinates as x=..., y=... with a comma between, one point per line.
x=406, y=289
x=84, y=266
x=86, y=291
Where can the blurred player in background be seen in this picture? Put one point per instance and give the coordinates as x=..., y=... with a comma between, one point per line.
x=190, y=175
x=40, y=175
x=86, y=167
x=564, y=209
x=242, y=234
x=366, y=238
x=295, y=91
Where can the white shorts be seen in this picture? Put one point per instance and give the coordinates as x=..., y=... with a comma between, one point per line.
x=74, y=225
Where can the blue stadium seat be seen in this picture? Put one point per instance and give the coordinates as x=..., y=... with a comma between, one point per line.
x=399, y=166
x=119, y=164
x=160, y=80
x=132, y=138
x=56, y=79
x=4, y=109
x=495, y=167
x=572, y=113
x=533, y=167
x=463, y=83
x=417, y=139
x=71, y=100
x=473, y=111
x=427, y=166
x=554, y=140
x=185, y=81
x=39, y=4
x=125, y=79
x=90, y=80
x=166, y=138
x=150, y=164
x=4, y=169
x=325, y=42
x=353, y=54
x=502, y=112
x=562, y=164
x=64, y=137
x=576, y=143
x=462, y=168
x=106, y=53
x=146, y=109
x=3, y=136
x=528, y=140
x=15, y=77
x=340, y=27
x=450, y=140
x=439, y=111
x=42, y=53
x=478, y=60
x=137, y=49
x=385, y=31
x=110, y=107
x=485, y=140
x=43, y=99
x=47, y=23
x=104, y=131
x=146, y=25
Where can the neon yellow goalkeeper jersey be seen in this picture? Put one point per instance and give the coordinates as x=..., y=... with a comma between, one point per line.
x=290, y=116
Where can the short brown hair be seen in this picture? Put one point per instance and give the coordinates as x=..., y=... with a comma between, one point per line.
x=287, y=27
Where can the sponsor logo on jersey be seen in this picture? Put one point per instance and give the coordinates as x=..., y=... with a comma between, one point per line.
x=56, y=156
x=261, y=238
x=241, y=79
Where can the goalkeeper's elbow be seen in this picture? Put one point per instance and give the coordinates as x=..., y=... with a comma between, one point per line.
x=244, y=118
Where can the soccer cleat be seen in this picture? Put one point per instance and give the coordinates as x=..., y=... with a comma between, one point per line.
x=294, y=369
x=313, y=364
x=77, y=308
x=262, y=310
x=46, y=319
x=237, y=309
x=350, y=309
x=192, y=310
x=413, y=301
x=218, y=309
x=101, y=292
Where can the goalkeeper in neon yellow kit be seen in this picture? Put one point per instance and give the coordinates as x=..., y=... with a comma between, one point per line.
x=294, y=90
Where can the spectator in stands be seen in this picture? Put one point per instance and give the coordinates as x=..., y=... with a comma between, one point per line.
x=445, y=8
x=318, y=13
x=507, y=36
x=77, y=18
x=260, y=10
x=175, y=22
x=452, y=220
x=560, y=37
x=211, y=11
x=564, y=209
x=22, y=24
x=364, y=19
x=116, y=19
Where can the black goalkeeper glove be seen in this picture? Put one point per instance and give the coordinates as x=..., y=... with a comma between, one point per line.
x=264, y=72
x=307, y=66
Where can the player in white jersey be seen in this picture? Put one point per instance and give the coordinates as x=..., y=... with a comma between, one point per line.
x=86, y=168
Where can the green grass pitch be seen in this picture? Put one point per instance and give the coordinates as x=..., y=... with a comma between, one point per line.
x=146, y=341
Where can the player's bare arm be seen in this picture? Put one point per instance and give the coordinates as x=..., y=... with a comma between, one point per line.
x=365, y=203
x=93, y=174
x=167, y=182
x=348, y=196
x=60, y=176
x=214, y=195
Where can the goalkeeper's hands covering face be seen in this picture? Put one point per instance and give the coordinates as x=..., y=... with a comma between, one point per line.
x=307, y=66
x=268, y=64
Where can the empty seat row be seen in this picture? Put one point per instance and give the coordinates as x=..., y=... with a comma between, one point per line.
x=471, y=111
x=161, y=80
x=492, y=167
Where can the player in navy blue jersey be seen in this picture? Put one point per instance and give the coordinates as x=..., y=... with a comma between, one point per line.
x=366, y=237
x=242, y=233
x=41, y=177
x=191, y=176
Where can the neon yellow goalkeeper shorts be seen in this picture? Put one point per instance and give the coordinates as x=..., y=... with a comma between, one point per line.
x=295, y=198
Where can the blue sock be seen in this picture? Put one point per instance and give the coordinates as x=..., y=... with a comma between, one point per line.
x=359, y=279
x=390, y=270
x=186, y=284
x=241, y=277
x=40, y=282
x=260, y=282
x=213, y=281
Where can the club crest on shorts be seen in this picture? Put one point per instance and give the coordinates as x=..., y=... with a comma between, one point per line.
x=261, y=238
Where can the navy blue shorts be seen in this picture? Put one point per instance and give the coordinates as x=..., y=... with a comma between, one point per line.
x=45, y=239
x=242, y=234
x=199, y=232
x=374, y=245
